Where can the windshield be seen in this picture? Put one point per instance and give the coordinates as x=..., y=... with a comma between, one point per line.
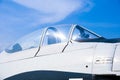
x=82, y=34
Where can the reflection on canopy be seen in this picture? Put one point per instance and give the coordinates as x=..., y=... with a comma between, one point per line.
x=52, y=35
x=32, y=40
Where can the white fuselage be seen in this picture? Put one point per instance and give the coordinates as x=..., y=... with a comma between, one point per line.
x=87, y=58
x=68, y=52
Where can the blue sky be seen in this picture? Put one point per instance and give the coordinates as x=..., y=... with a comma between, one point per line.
x=20, y=17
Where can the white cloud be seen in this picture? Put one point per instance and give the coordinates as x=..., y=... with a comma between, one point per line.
x=55, y=10
x=22, y=15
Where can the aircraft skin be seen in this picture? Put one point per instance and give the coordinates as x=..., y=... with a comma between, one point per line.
x=90, y=58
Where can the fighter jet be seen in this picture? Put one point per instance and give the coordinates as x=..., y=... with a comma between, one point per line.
x=61, y=52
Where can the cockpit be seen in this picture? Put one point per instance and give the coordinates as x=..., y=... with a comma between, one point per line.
x=52, y=35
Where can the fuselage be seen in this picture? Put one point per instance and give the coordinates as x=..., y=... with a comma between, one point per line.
x=67, y=60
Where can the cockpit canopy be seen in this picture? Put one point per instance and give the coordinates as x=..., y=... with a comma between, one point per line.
x=52, y=35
